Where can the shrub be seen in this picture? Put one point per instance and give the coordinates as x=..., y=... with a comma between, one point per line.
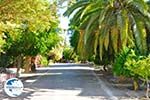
x=130, y=64
x=44, y=61
x=118, y=67
x=140, y=67
x=67, y=53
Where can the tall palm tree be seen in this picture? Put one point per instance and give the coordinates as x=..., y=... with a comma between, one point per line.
x=110, y=24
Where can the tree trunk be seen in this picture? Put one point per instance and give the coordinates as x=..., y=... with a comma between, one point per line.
x=33, y=64
x=147, y=90
x=121, y=79
x=136, y=85
x=19, y=60
x=27, y=64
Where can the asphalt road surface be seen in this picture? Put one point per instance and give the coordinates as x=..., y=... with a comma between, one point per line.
x=64, y=82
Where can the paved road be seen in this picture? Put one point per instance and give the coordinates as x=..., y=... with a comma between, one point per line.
x=64, y=82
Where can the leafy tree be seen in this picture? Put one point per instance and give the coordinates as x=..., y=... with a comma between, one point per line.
x=1, y=43
x=26, y=26
x=37, y=15
x=31, y=44
x=34, y=16
x=110, y=24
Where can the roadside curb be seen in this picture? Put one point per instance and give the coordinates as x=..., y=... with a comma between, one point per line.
x=105, y=88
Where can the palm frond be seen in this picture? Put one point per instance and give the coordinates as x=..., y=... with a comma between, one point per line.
x=123, y=22
x=75, y=7
x=140, y=35
x=91, y=26
x=140, y=5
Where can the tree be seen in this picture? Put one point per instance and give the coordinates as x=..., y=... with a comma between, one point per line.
x=25, y=25
x=31, y=44
x=109, y=25
x=37, y=15
x=34, y=16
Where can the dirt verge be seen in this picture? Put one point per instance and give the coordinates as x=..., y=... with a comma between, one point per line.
x=122, y=85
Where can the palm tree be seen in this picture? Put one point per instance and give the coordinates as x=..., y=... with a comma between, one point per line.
x=110, y=25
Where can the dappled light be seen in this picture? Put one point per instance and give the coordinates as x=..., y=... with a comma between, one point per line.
x=75, y=49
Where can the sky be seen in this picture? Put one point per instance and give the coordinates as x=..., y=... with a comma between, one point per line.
x=64, y=21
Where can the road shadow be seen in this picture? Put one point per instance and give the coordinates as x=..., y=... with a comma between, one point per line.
x=65, y=80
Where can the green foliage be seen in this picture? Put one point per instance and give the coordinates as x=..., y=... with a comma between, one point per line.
x=31, y=43
x=2, y=42
x=36, y=15
x=53, y=39
x=44, y=61
x=27, y=27
x=56, y=53
x=110, y=24
x=6, y=60
x=119, y=67
x=24, y=22
x=27, y=44
x=130, y=64
x=68, y=53
x=74, y=39
x=138, y=65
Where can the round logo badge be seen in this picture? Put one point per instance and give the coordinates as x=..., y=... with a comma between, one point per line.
x=13, y=87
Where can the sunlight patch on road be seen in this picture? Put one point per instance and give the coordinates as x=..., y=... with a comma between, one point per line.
x=55, y=92
x=39, y=74
x=29, y=81
x=70, y=68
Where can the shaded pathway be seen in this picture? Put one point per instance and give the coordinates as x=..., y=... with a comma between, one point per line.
x=65, y=82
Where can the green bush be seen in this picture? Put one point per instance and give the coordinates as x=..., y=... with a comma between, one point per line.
x=118, y=67
x=5, y=60
x=130, y=64
x=44, y=61
x=67, y=53
x=139, y=66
